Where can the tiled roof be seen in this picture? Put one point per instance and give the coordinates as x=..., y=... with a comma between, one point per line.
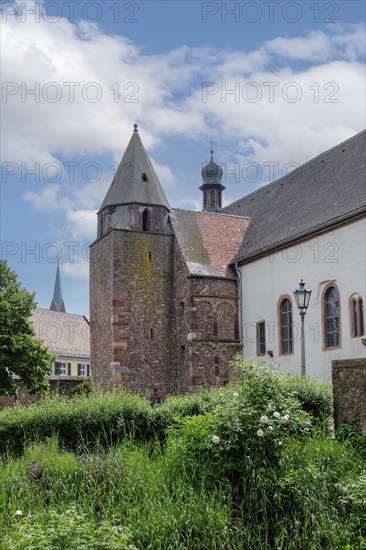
x=209, y=241
x=65, y=334
x=320, y=193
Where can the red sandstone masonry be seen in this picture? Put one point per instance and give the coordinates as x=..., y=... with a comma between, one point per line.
x=349, y=391
x=136, y=286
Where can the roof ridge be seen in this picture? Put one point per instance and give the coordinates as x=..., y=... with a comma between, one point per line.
x=210, y=213
x=271, y=183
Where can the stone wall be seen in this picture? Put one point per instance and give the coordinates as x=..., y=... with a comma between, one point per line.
x=61, y=386
x=349, y=391
x=132, y=313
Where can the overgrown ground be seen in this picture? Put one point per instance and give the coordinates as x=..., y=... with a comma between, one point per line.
x=251, y=466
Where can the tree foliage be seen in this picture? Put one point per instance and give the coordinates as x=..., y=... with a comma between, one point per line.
x=21, y=354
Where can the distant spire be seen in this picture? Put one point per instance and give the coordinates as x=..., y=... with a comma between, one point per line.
x=57, y=303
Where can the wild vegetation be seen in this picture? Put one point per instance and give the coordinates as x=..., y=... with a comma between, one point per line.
x=254, y=465
x=21, y=353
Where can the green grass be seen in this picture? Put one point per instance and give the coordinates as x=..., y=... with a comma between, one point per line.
x=246, y=467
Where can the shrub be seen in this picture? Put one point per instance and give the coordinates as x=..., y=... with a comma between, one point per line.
x=100, y=419
x=348, y=433
x=57, y=530
x=315, y=397
x=84, y=388
x=247, y=427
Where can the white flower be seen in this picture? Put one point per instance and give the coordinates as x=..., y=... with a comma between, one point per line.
x=235, y=394
x=264, y=419
x=279, y=443
x=260, y=433
x=215, y=439
x=285, y=418
x=270, y=427
x=18, y=513
x=276, y=414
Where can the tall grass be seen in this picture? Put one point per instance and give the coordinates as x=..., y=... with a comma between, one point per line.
x=246, y=467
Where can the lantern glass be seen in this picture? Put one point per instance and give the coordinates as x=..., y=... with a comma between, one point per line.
x=302, y=297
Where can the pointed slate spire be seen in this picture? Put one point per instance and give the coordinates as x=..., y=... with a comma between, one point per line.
x=135, y=181
x=57, y=303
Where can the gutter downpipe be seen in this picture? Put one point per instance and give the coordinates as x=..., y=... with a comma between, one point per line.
x=240, y=307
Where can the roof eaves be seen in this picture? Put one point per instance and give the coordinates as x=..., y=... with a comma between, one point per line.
x=284, y=242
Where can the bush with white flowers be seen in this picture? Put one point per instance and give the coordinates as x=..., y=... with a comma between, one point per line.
x=250, y=425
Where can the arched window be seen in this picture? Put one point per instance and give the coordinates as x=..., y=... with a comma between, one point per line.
x=357, y=321
x=286, y=332
x=331, y=318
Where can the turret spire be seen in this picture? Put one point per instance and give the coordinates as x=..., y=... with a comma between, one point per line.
x=212, y=187
x=57, y=303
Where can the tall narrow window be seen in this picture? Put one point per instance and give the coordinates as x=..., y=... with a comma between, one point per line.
x=357, y=321
x=212, y=198
x=145, y=220
x=261, y=338
x=286, y=343
x=331, y=318
x=360, y=312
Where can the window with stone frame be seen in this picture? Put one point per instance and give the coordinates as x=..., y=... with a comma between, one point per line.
x=357, y=317
x=286, y=329
x=331, y=318
x=261, y=338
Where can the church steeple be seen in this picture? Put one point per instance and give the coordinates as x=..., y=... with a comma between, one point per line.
x=135, y=181
x=212, y=187
x=135, y=200
x=57, y=303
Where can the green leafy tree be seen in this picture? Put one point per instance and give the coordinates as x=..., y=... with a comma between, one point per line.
x=21, y=354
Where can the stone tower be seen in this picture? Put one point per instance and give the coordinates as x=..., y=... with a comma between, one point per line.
x=132, y=281
x=212, y=187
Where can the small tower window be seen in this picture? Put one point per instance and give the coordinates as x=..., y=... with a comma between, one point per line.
x=212, y=198
x=144, y=177
x=145, y=220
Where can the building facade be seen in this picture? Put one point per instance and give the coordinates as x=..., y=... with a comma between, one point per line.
x=308, y=225
x=175, y=293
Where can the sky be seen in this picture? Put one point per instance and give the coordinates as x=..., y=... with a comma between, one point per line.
x=271, y=83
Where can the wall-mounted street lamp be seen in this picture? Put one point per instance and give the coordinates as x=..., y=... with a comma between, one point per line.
x=302, y=298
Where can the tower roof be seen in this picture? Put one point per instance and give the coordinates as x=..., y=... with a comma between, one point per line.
x=212, y=172
x=57, y=303
x=135, y=181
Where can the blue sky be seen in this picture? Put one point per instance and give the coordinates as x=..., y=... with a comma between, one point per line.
x=273, y=83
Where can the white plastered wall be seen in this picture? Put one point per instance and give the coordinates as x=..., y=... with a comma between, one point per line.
x=337, y=256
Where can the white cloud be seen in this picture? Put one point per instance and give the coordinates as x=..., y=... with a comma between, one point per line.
x=164, y=93
x=347, y=43
x=78, y=269
x=47, y=199
x=82, y=223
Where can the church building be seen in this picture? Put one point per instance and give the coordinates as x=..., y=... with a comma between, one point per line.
x=175, y=293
